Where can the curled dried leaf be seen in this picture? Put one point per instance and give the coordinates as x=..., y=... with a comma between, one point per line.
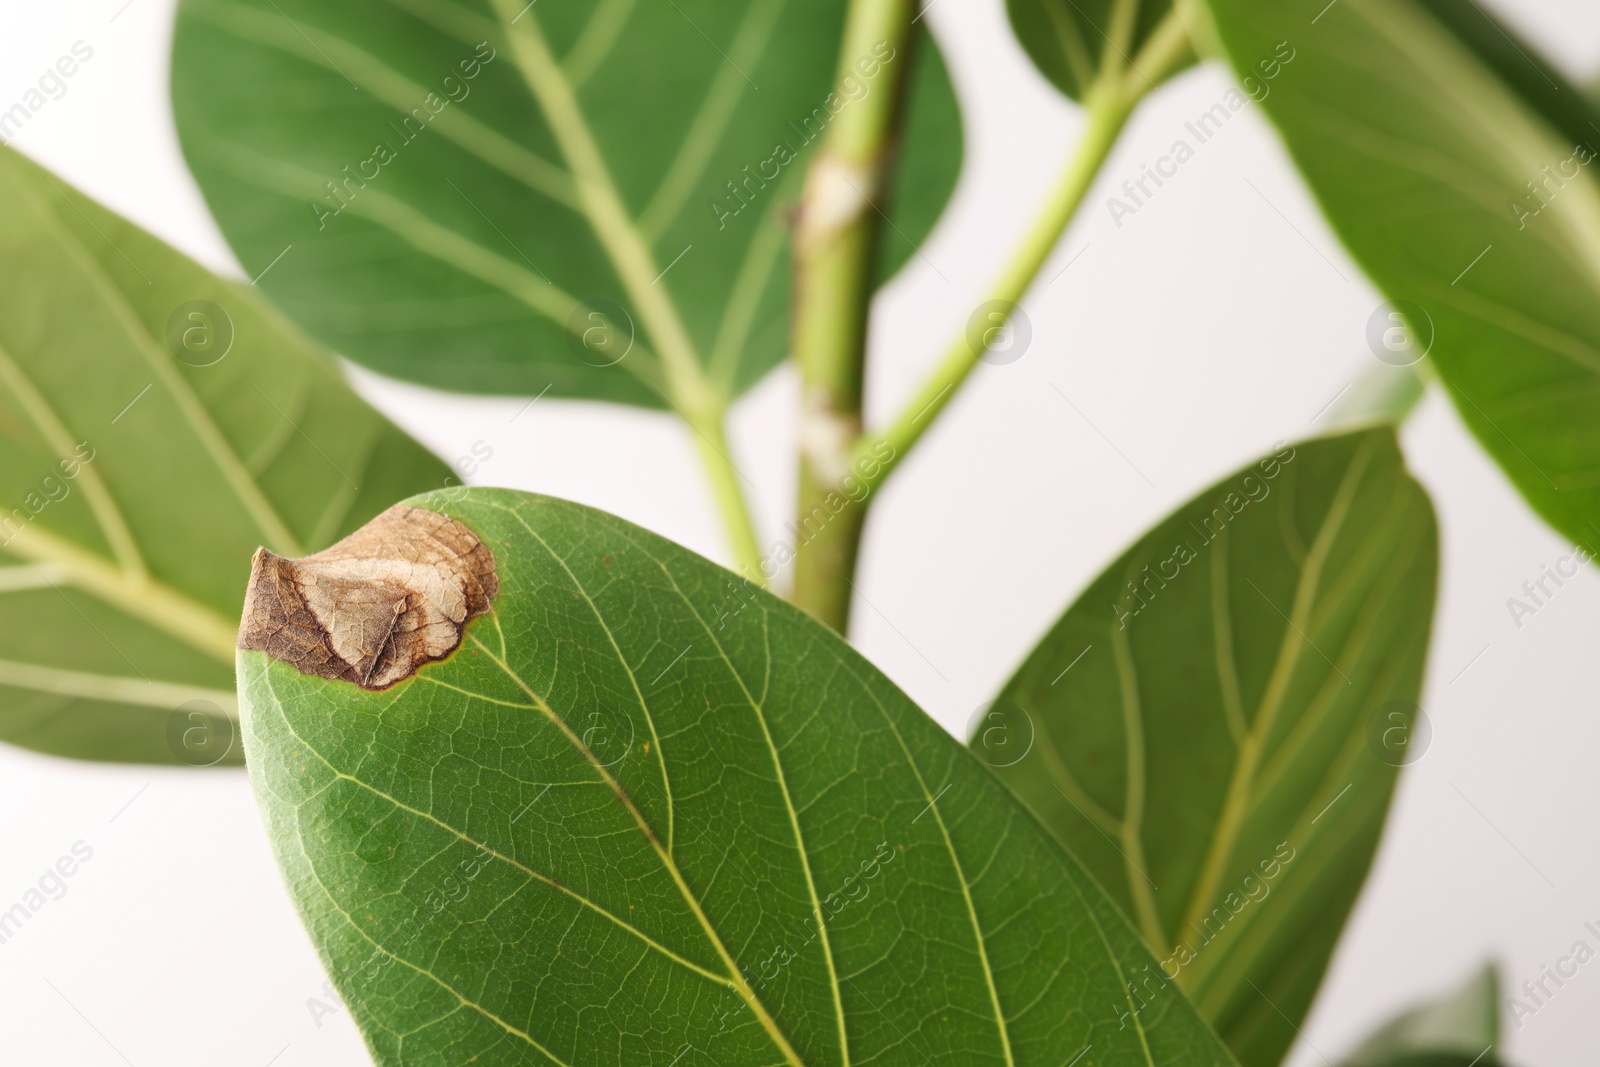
x=376, y=606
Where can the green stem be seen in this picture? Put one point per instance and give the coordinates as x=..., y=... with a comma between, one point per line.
x=701, y=404
x=1124, y=19
x=835, y=249
x=837, y=483
x=1109, y=103
x=1108, y=111
x=1381, y=393
x=730, y=498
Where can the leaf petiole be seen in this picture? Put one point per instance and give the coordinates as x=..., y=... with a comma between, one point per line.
x=712, y=442
x=1109, y=103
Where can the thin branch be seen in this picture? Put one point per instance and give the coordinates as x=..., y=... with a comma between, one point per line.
x=835, y=249
x=1109, y=103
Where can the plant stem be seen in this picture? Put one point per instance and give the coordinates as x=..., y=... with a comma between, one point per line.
x=725, y=478
x=835, y=250
x=1108, y=111
x=701, y=404
x=1381, y=393
x=831, y=402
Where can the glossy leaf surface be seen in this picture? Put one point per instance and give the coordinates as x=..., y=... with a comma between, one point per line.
x=1216, y=725
x=648, y=815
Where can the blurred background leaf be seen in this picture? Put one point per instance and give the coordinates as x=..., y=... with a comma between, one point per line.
x=1477, y=217
x=459, y=251
x=1215, y=726
x=1067, y=39
x=1529, y=74
x=1460, y=1029
x=157, y=423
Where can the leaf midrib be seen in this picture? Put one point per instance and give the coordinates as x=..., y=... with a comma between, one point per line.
x=263, y=512
x=817, y=912
x=1214, y=975
x=788, y=803
x=117, y=689
x=1288, y=750
x=750, y=282
x=1233, y=813
x=618, y=233
x=1197, y=979
x=441, y=242
x=741, y=987
x=633, y=679
x=159, y=604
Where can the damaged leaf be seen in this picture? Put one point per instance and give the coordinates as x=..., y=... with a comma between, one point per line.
x=647, y=815
x=376, y=606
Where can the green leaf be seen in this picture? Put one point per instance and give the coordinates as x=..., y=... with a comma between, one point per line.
x=1532, y=76
x=648, y=814
x=156, y=424
x=470, y=257
x=1421, y=158
x=1456, y=1030
x=1205, y=727
x=1069, y=41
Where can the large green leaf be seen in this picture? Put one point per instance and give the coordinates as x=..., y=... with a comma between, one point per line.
x=1205, y=726
x=1420, y=157
x=1069, y=40
x=1520, y=65
x=646, y=814
x=470, y=257
x=156, y=424
x=1459, y=1029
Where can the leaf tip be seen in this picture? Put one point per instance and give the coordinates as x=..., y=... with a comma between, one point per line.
x=376, y=606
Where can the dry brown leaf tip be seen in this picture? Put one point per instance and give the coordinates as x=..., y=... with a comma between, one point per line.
x=373, y=608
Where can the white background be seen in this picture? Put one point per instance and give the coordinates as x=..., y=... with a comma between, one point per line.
x=1194, y=335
